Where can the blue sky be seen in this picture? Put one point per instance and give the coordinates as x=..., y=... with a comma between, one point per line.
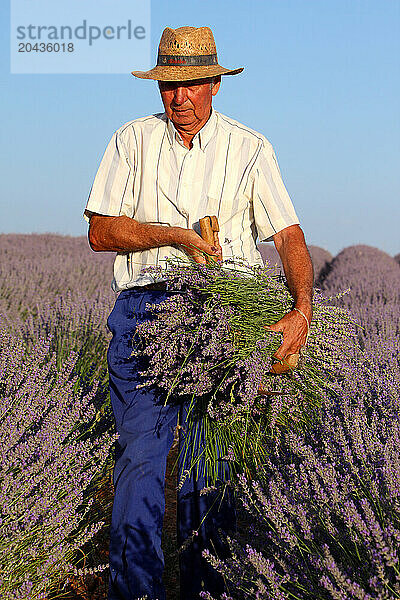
x=321, y=81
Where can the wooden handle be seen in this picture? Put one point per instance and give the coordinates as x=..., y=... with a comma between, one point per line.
x=288, y=364
x=209, y=229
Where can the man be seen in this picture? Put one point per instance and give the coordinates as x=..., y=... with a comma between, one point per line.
x=158, y=177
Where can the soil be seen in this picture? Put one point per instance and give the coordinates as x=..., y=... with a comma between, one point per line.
x=94, y=587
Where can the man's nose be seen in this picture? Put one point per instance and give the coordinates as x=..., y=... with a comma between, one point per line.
x=180, y=95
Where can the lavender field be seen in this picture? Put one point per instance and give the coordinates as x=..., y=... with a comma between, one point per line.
x=320, y=521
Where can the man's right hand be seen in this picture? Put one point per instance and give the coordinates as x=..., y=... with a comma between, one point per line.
x=197, y=248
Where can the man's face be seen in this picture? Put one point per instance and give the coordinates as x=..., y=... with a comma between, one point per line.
x=188, y=103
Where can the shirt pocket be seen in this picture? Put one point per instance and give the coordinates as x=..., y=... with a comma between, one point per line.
x=229, y=211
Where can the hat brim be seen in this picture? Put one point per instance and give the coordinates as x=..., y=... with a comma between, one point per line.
x=182, y=73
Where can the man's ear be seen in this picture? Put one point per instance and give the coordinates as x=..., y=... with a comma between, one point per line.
x=216, y=84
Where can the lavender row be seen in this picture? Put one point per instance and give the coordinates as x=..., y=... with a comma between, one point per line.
x=37, y=269
x=54, y=300
x=52, y=452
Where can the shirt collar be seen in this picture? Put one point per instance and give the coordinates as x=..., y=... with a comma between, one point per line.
x=203, y=136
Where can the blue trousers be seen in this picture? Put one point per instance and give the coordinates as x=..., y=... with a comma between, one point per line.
x=146, y=431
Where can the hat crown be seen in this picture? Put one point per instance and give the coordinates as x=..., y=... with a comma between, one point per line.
x=187, y=41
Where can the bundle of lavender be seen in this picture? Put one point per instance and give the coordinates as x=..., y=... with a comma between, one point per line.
x=207, y=345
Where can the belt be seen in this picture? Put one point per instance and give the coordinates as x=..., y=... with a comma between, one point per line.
x=161, y=285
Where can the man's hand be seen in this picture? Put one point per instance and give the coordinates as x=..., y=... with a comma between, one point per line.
x=294, y=328
x=297, y=265
x=195, y=247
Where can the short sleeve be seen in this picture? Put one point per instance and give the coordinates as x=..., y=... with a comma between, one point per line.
x=272, y=206
x=113, y=185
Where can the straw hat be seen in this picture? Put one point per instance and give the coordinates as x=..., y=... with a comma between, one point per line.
x=186, y=53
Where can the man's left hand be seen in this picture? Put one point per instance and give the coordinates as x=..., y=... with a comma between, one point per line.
x=294, y=328
x=297, y=265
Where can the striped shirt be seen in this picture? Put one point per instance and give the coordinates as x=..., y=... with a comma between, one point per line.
x=231, y=171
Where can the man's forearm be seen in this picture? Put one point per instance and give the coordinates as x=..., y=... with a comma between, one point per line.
x=122, y=234
x=297, y=265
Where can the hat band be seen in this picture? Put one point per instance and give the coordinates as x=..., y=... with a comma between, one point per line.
x=184, y=61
